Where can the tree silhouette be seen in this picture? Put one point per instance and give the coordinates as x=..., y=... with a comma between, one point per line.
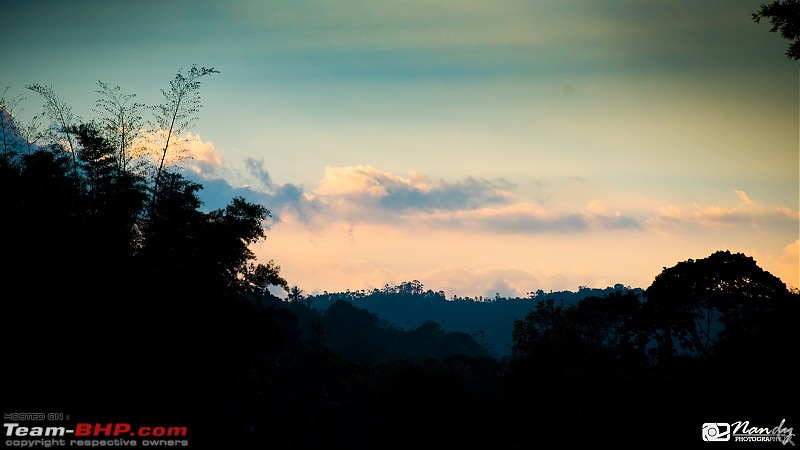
x=785, y=18
x=60, y=113
x=173, y=117
x=9, y=129
x=122, y=121
x=88, y=266
x=31, y=132
x=114, y=198
x=296, y=294
x=608, y=327
x=697, y=304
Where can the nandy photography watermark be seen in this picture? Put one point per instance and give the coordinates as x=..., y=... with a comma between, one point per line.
x=742, y=431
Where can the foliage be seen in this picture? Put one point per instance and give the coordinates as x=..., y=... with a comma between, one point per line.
x=490, y=320
x=122, y=121
x=702, y=309
x=62, y=119
x=784, y=16
x=9, y=130
x=698, y=304
x=93, y=260
x=597, y=333
x=173, y=117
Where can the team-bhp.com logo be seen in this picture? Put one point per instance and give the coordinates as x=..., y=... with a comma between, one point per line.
x=741, y=431
x=95, y=430
x=118, y=434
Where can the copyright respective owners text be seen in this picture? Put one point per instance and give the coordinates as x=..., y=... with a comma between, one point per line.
x=60, y=429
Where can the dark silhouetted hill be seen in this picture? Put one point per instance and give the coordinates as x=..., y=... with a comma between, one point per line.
x=488, y=320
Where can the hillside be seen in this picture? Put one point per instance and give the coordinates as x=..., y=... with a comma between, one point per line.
x=489, y=320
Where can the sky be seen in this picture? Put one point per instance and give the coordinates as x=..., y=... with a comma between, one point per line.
x=480, y=147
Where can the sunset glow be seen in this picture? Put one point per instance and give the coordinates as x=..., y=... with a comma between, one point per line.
x=477, y=147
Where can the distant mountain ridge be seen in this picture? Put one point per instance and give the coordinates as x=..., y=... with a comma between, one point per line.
x=489, y=320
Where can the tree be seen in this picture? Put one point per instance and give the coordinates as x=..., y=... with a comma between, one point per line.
x=354, y=333
x=122, y=121
x=546, y=336
x=114, y=198
x=784, y=17
x=296, y=294
x=173, y=117
x=596, y=333
x=85, y=269
x=9, y=131
x=60, y=113
x=257, y=278
x=698, y=304
x=231, y=231
x=608, y=326
x=31, y=132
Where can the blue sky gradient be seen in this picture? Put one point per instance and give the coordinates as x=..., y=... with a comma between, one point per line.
x=479, y=147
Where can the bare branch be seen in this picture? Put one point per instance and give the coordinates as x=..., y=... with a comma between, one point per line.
x=61, y=115
x=174, y=116
x=122, y=121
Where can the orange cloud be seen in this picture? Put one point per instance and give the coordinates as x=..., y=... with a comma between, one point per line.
x=202, y=157
x=339, y=181
x=366, y=194
x=787, y=265
x=746, y=212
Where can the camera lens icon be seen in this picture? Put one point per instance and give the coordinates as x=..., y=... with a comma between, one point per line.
x=716, y=432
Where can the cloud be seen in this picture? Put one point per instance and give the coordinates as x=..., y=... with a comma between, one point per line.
x=510, y=248
x=256, y=169
x=524, y=217
x=790, y=261
x=488, y=282
x=745, y=213
x=209, y=168
x=365, y=184
x=286, y=199
x=363, y=194
x=786, y=265
x=368, y=194
x=202, y=157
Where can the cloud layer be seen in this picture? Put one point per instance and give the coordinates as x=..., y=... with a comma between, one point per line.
x=363, y=227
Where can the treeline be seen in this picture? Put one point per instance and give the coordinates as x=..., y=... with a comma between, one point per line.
x=363, y=337
x=489, y=320
x=123, y=301
x=417, y=289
